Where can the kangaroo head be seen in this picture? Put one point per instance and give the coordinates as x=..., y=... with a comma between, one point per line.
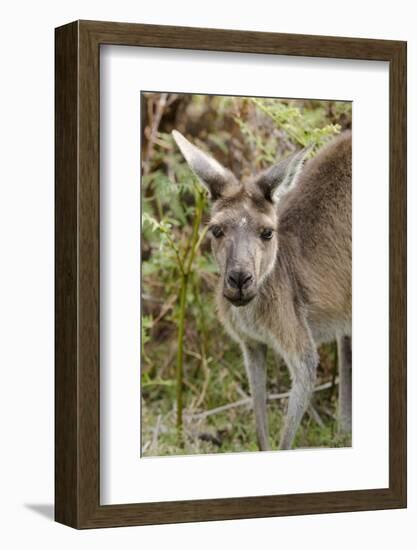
x=244, y=218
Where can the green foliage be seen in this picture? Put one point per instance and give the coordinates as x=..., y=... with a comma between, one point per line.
x=189, y=365
x=304, y=127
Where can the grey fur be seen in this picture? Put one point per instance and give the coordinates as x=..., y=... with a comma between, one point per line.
x=292, y=290
x=344, y=350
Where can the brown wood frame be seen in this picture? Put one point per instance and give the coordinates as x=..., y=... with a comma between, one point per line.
x=77, y=373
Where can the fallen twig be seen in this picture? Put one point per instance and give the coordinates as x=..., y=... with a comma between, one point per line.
x=315, y=416
x=156, y=433
x=248, y=402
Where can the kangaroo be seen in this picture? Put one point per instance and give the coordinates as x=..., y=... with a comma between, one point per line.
x=282, y=242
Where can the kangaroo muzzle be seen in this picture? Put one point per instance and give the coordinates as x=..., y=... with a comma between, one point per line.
x=239, y=286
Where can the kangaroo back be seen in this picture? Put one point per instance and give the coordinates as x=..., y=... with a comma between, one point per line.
x=315, y=220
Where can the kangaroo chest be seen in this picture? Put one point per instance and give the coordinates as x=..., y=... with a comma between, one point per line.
x=249, y=323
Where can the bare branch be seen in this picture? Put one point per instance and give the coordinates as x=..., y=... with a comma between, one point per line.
x=152, y=132
x=248, y=402
x=315, y=416
x=156, y=433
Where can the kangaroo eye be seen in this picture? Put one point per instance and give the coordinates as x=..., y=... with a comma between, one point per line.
x=266, y=234
x=217, y=231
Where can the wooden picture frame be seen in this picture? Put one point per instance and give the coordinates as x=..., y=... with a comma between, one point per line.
x=77, y=374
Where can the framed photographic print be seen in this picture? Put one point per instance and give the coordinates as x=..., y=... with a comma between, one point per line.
x=230, y=274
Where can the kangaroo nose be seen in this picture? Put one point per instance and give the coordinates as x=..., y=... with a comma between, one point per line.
x=239, y=279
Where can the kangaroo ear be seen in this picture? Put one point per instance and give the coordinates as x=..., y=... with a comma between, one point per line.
x=217, y=179
x=280, y=178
